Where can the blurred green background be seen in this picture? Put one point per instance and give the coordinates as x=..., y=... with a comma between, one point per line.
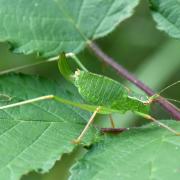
x=137, y=45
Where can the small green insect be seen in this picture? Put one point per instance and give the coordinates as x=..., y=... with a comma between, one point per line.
x=4, y=97
x=102, y=94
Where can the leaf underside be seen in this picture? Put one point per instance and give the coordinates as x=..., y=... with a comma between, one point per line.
x=147, y=153
x=33, y=137
x=167, y=15
x=50, y=27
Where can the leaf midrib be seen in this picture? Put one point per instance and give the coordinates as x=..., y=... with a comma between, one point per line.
x=39, y=121
x=71, y=20
x=161, y=140
x=35, y=140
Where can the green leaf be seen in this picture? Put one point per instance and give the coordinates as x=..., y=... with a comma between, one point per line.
x=34, y=136
x=146, y=153
x=167, y=15
x=50, y=27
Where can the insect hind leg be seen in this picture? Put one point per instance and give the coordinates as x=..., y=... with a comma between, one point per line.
x=111, y=121
x=148, y=117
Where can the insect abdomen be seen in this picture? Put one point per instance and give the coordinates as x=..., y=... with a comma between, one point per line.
x=99, y=90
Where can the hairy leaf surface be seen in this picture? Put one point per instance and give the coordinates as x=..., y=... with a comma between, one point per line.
x=34, y=136
x=147, y=153
x=167, y=15
x=50, y=27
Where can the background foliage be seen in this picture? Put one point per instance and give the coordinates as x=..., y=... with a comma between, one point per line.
x=137, y=45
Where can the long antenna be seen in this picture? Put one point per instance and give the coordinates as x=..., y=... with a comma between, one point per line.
x=168, y=87
x=28, y=65
x=157, y=95
x=72, y=55
x=173, y=100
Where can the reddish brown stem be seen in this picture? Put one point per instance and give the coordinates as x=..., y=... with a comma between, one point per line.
x=113, y=130
x=175, y=113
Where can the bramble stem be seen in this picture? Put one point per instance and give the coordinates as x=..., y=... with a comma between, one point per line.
x=127, y=75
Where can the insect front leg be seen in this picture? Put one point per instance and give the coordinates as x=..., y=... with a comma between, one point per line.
x=91, y=120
